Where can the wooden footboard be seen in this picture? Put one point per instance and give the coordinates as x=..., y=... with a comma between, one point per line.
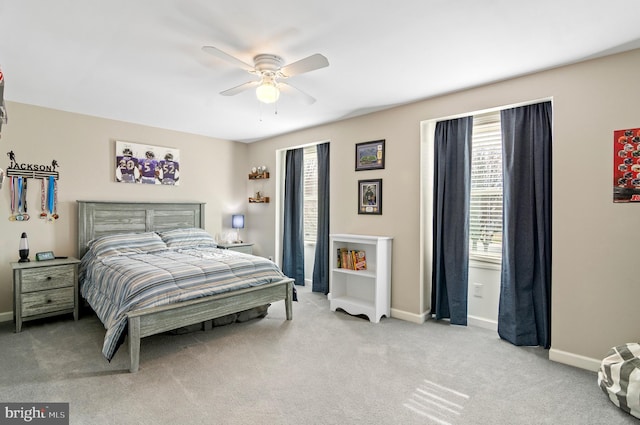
x=155, y=320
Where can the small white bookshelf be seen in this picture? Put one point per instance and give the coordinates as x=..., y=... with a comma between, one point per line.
x=366, y=292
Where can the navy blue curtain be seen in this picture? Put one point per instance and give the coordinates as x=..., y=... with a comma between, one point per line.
x=452, y=185
x=321, y=263
x=293, y=232
x=524, y=316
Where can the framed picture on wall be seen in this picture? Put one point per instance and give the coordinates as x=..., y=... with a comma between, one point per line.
x=145, y=164
x=370, y=196
x=370, y=155
x=626, y=165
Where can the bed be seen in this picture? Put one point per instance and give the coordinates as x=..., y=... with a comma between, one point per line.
x=230, y=282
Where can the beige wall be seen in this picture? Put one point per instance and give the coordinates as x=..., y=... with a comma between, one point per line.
x=212, y=172
x=596, y=289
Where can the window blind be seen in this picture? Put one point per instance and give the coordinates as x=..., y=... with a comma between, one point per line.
x=485, y=219
x=310, y=193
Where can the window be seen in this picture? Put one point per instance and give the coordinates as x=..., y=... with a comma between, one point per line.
x=485, y=220
x=310, y=193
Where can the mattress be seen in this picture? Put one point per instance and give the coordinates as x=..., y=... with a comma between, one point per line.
x=137, y=276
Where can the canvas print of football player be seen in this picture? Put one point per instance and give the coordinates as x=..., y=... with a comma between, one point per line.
x=127, y=170
x=170, y=169
x=149, y=171
x=138, y=163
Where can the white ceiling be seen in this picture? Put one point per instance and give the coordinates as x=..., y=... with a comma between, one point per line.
x=141, y=61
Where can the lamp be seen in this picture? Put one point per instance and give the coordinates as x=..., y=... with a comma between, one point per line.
x=23, y=249
x=267, y=91
x=237, y=222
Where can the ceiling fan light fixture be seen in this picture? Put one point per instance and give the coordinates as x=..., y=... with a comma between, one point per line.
x=267, y=92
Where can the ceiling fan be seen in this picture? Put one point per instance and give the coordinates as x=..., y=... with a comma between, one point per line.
x=270, y=71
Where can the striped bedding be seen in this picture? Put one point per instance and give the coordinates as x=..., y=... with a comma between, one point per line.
x=121, y=282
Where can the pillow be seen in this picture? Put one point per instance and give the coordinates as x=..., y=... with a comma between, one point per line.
x=126, y=243
x=189, y=237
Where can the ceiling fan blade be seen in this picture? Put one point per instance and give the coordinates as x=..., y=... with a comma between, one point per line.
x=310, y=63
x=302, y=96
x=227, y=57
x=238, y=89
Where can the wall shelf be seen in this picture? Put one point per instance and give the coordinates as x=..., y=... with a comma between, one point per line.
x=259, y=199
x=258, y=176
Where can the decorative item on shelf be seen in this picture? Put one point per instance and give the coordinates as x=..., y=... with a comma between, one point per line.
x=23, y=249
x=259, y=173
x=237, y=222
x=259, y=199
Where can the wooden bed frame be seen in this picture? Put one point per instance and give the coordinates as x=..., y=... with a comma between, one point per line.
x=97, y=218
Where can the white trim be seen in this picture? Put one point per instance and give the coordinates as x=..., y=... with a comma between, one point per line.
x=575, y=360
x=410, y=317
x=488, y=265
x=427, y=132
x=279, y=195
x=7, y=316
x=488, y=110
x=481, y=322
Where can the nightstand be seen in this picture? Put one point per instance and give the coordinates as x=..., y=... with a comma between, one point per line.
x=247, y=248
x=44, y=288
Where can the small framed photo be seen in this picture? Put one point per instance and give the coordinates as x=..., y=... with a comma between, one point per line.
x=370, y=196
x=370, y=155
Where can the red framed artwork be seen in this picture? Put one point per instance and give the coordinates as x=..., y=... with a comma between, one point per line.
x=626, y=165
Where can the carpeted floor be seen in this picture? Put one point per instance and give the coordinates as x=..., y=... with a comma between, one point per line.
x=321, y=368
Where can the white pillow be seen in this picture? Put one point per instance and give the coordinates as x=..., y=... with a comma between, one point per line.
x=189, y=237
x=125, y=244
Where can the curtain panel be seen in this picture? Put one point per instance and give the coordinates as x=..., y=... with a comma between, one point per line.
x=452, y=185
x=320, y=282
x=293, y=229
x=524, y=316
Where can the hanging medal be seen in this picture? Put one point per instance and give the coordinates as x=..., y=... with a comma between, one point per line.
x=52, y=199
x=25, y=216
x=12, y=188
x=43, y=212
x=55, y=200
x=19, y=196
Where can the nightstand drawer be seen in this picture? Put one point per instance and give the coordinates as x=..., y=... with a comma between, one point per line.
x=247, y=249
x=43, y=278
x=43, y=302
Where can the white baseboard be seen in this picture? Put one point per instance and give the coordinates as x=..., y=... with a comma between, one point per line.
x=410, y=317
x=575, y=360
x=6, y=316
x=481, y=322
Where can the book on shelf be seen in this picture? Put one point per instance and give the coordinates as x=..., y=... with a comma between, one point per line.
x=361, y=260
x=351, y=259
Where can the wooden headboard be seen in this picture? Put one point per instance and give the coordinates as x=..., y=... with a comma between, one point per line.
x=98, y=218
